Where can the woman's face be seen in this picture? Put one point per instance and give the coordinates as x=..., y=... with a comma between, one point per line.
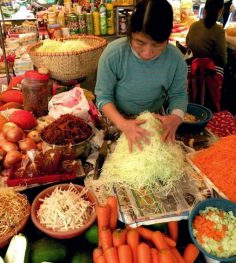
x=146, y=47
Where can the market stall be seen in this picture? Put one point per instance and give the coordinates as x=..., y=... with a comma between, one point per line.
x=70, y=190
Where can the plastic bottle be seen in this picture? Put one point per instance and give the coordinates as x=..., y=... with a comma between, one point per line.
x=96, y=23
x=110, y=18
x=103, y=19
x=61, y=19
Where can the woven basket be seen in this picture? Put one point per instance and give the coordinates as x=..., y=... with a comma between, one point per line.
x=69, y=65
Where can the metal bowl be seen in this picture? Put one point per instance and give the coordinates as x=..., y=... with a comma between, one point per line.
x=79, y=148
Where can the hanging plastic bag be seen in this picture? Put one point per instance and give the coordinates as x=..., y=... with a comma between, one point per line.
x=70, y=102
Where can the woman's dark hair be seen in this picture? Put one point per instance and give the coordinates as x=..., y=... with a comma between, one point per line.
x=212, y=8
x=154, y=18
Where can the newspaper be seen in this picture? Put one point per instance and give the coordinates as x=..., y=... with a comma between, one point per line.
x=156, y=206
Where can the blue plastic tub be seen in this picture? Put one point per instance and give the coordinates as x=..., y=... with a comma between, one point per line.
x=203, y=115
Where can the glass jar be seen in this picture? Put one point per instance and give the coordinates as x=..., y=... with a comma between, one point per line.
x=36, y=89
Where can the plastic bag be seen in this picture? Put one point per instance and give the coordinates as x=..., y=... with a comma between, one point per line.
x=70, y=102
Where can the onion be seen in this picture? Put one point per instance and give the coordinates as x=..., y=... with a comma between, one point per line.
x=34, y=135
x=14, y=134
x=9, y=146
x=6, y=126
x=12, y=158
x=27, y=144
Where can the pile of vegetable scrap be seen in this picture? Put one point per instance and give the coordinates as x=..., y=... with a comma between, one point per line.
x=158, y=166
x=218, y=164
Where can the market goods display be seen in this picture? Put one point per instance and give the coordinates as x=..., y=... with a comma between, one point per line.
x=212, y=225
x=14, y=214
x=159, y=165
x=64, y=211
x=23, y=158
x=68, y=65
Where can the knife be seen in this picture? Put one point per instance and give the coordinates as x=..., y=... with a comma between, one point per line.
x=100, y=160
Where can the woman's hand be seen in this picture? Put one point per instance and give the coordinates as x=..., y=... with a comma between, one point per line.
x=134, y=133
x=170, y=123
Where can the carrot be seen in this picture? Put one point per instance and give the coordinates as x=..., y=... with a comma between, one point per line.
x=145, y=233
x=113, y=204
x=133, y=241
x=165, y=256
x=100, y=259
x=103, y=219
x=106, y=238
x=173, y=228
x=191, y=252
x=125, y=254
x=177, y=255
x=96, y=253
x=170, y=242
x=155, y=255
x=159, y=240
x=119, y=237
x=111, y=255
x=103, y=216
x=144, y=253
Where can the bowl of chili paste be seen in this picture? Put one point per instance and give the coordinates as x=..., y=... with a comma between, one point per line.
x=67, y=130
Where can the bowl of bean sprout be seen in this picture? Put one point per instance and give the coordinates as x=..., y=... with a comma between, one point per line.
x=64, y=211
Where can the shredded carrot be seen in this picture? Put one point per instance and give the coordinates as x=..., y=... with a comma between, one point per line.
x=218, y=163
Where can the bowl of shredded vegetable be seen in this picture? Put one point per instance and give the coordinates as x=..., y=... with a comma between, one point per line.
x=64, y=211
x=196, y=118
x=212, y=225
x=68, y=58
x=14, y=214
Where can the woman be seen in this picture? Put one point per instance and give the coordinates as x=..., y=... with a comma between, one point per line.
x=139, y=72
x=206, y=38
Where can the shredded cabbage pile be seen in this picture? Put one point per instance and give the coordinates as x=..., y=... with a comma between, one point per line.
x=158, y=165
x=65, y=46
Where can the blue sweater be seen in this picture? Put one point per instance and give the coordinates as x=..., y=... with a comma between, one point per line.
x=135, y=85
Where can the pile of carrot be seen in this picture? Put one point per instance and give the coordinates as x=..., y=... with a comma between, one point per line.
x=136, y=245
x=218, y=163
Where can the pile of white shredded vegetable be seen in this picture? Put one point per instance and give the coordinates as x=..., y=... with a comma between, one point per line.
x=66, y=209
x=54, y=46
x=158, y=166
